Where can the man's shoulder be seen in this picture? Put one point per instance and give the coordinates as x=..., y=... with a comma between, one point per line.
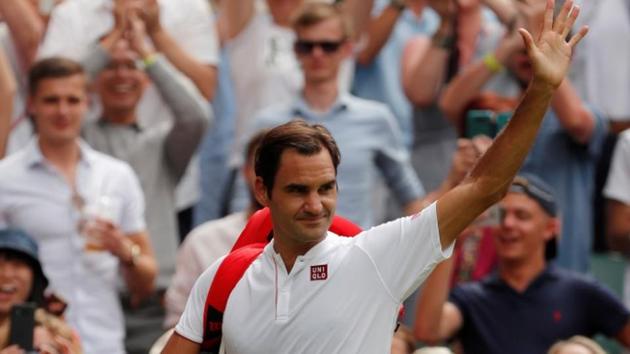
x=274, y=114
x=359, y=103
x=571, y=280
x=227, y=228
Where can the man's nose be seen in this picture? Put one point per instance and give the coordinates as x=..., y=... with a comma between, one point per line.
x=313, y=203
x=507, y=220
x=63, y=107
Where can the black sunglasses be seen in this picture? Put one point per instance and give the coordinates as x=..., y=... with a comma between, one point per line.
x=306, y=47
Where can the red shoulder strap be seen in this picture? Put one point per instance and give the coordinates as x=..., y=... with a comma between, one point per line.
x=230, y=271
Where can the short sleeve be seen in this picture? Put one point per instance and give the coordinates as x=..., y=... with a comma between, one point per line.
x=618, y=182
x=405, y=251
x=190, y=324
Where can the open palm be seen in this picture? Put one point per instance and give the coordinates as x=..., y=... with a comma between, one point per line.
x=550, y=55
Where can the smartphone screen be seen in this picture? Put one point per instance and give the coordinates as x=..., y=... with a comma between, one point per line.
x=22, y=324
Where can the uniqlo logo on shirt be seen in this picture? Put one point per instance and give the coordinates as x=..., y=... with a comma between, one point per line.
x=319, y=272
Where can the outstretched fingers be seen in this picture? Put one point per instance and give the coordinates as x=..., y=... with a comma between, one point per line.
x=575, y=11
x=548, y=23
x=578, y=36
x=561, y=20
x=527, y=38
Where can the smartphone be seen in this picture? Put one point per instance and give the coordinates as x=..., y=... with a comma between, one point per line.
x=480, y=122
x=22, y=325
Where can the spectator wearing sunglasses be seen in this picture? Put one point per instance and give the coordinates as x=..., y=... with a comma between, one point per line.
x=368, y=135
x=527, y=304
x=263, y=65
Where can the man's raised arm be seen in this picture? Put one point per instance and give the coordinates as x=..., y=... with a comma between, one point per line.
x=489, y=180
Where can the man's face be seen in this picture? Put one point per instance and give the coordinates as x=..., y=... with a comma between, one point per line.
x=58, y=106
x=303, y=199
x=321, y=48
x=524, y=230
x=121, y=84
x=16, y=279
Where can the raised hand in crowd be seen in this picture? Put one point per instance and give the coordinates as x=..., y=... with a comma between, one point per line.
x=150, y=14
x=550, y=54
x=424, y=60
x=8, y=89
x=27, y=26
x=136, y=35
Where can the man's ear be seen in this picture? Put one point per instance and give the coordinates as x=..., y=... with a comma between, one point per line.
x=553, y=228
x=29, y=111
x=260, y=192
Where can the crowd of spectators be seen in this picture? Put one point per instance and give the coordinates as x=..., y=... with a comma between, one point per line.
x=128, y=130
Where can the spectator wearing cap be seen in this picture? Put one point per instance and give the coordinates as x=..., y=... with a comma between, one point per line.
x=527, y=304
x=22, y=280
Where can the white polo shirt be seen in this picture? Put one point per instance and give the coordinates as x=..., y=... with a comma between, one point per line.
x=342, y=296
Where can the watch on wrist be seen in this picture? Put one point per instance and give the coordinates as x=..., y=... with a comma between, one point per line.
x=135, y=252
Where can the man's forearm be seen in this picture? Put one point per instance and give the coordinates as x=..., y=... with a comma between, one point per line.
x=573, y=115
x=463, y=89
x=8, y=90
x=139, y=268
x=191, y=114
x=203, y=75
x=505, y=156
x=431, y=300
x=27, y=28
x=378, y=32
x=359, y=12
x=140, y=278
x=235, y=16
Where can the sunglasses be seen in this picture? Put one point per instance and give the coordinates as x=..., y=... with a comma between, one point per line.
x=306, y=47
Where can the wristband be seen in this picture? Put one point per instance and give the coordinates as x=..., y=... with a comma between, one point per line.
x=492, y=63
x=136, y=252
x=149, y=60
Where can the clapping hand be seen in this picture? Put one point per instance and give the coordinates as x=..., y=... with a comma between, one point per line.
x=550, y=54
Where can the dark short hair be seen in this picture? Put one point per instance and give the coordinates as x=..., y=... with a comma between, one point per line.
x=52, y=68
x=253, y=143
x=306, y=139
x=312, y=13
